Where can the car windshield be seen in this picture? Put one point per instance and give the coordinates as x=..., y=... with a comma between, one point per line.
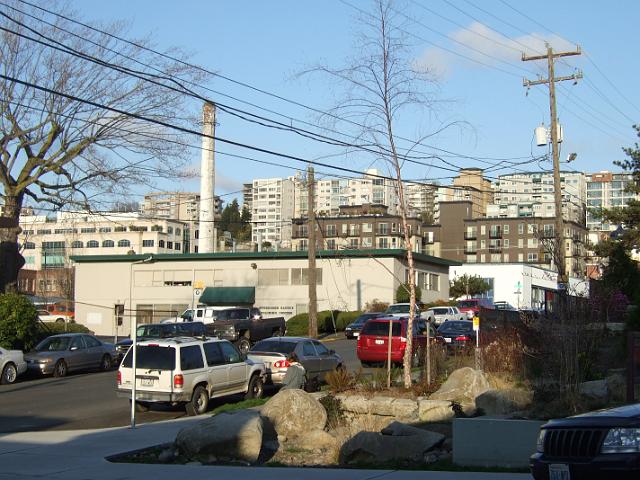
x=53, y=344
x=467, y=303
x=232, y=314
x=397, y=309
x=440, y=311
x=456, y=327
x=363, y=318
x=152, y=357
x=381, y=328
x=275, y=346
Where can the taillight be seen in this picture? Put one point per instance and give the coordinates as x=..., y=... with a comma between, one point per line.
x=119, y=378
x=462, y=338
x=282, y=364
x=178, y=381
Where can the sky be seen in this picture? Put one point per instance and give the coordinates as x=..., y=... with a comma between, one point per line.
x=472, y=47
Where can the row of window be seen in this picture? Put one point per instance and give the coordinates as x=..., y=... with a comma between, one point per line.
x=280, y=276
x=132, y=228
x=105, y=244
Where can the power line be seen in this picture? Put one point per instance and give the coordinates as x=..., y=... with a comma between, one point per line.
x=251, y=87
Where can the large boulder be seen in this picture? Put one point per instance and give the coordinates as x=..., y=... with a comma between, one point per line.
x=595, y=391
x=293, y=412
x=400, y=408
x=462, y=386
x=503, y=402
x=227, y=436
x=398, y=443
x=435, y=410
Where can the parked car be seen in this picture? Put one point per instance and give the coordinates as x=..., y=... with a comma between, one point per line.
x=162, y=330
x=60, y=354
x=602, y=444
x=439, y=315
x=353, y=329
x=373, y=340
x=314, y=356
x=399, y=310
x=472, y=306
x=504, y=306
x=245, y=326
x=457, y=334
x=55, y=316
x=189, y=371
x=12, y=364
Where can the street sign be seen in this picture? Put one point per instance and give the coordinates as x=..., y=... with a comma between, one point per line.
x=476, y=323
x=197, y=291
x=198, y=285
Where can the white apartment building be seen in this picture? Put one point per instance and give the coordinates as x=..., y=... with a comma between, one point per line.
x=180, y=206
x=606, y=190
x=531, y=194
x=49, y=242
x=273, y=203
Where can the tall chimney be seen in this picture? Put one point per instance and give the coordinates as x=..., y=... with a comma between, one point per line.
x=206, y=240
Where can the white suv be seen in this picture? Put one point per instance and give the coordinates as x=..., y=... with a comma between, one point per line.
x=439, y=315
x=190, y=371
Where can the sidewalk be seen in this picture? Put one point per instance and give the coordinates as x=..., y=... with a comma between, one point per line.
x=80, y=455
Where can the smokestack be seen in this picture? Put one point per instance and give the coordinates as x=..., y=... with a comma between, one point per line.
x=206, y=240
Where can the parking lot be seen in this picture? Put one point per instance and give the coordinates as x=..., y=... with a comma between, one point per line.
x=88, y=399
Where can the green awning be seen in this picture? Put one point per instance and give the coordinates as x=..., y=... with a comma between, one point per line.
x=228, y=296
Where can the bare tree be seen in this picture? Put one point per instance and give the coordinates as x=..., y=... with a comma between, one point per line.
x=380, y=84
x=62, y=151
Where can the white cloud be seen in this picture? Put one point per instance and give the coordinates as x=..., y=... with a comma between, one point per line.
x=487, y=46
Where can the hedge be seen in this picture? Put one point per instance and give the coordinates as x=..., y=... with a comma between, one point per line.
x=298, y=325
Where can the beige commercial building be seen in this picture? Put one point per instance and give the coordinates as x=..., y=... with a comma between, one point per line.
x=153, y=287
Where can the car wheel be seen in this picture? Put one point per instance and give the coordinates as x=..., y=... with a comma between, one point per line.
x=243, y=345
x=60, y=369
x=105, y=363
x=256, y=388
x=9, y=374
x=199, y=402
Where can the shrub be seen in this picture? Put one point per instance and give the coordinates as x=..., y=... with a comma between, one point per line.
x=335, y=414
x=402, y=293
x=298, y=325
x=345, y=318
x=376, y=305
x=339, y=380
x=18, y=322
x=54, y=328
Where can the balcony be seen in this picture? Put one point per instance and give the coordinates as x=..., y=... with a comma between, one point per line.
x=495, y=249
x=470, y=236
x=497, y=233
x=470, y=250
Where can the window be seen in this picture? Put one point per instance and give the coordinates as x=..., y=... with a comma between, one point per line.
x=161, y=243
x=120, y=229
x=308, y=350
x=124, y=243
x=77, y=244
x=383, y=229
x=88, y=230
x=91, y=341
x=213, y=353
x=354, y=243
x=532, y=243
x=383, y=243
x=273, y=276
x=331, y=244
x=229, y=352
x=191, y=358
x=147, y=243
x=505, y=229
x=169, y=245
x=331, y=230
x=29, y=245
x=108, y=244
x=300, y=276
x=169, y=229
x=104, y=229
x=532, y=257
x=92, y=244
x=177, y=246
x=366, y=228
x=320, y=348
x=521, y=229
x=366, y=242
x=178, y=231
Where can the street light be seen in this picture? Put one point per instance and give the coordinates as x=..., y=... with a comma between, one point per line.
x=134, y=345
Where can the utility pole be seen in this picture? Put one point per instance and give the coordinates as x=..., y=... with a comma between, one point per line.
x=557, y=187
x=311, y=250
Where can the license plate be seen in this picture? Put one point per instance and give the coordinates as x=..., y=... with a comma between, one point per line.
x=447, y=340
x=379, y=342
x=559, y=471
x=146, y=382
x=356, y=334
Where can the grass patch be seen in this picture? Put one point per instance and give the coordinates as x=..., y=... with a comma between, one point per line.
x=232, y=407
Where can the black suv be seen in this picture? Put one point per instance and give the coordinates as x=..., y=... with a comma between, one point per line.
x=162, y=330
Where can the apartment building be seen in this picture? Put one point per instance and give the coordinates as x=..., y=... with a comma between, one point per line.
x=531, y=194
x=272, y=207
x=47, y=243
x=470, y=185
x=606, y=190
x=365, y=227
x=180, y=206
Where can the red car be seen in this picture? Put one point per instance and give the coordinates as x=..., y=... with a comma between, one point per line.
x=374, y=336
x=472, y=306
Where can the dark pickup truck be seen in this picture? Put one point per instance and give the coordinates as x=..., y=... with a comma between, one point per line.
x=244, y=326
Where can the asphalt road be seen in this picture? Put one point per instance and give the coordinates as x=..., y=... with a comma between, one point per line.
x=88, y=400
